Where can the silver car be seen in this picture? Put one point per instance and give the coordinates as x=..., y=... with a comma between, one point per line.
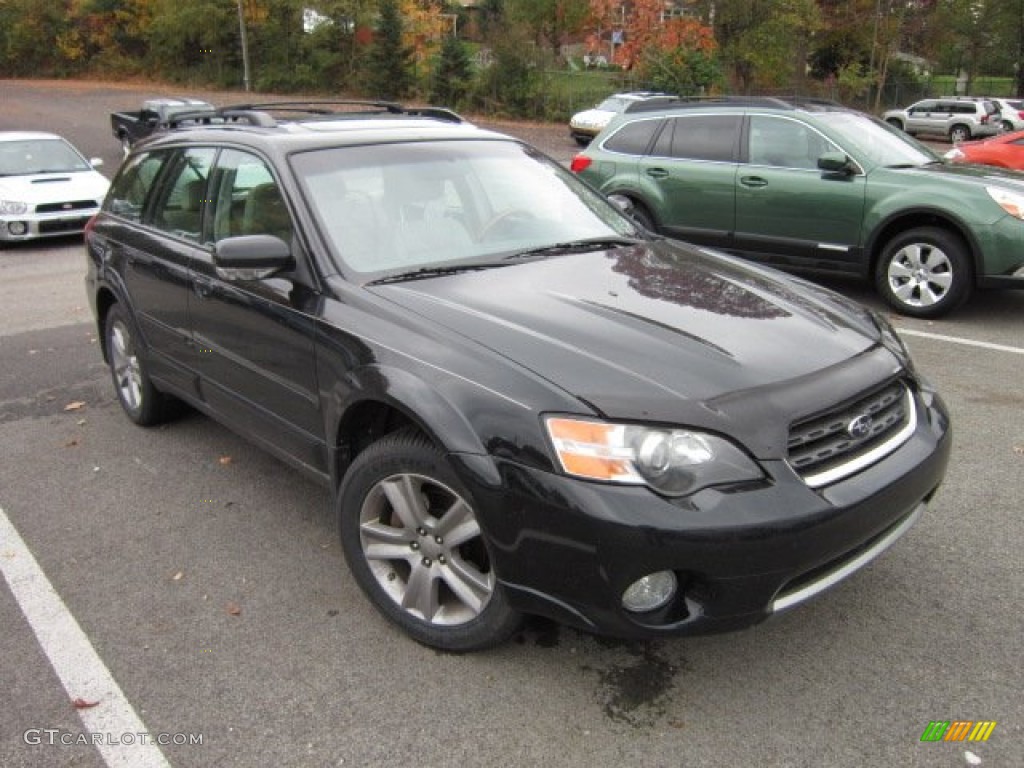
x=957, y=118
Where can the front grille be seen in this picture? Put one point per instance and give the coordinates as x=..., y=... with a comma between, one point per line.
x=70, y=205
x=833, y=445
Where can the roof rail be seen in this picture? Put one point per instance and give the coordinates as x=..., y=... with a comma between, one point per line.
x=695, y=102
x=271, y=113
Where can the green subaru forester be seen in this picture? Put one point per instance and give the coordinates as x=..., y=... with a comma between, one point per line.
x=810, y=185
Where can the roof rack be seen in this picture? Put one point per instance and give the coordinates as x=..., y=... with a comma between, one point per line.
x=695, y=102
x=271, y=113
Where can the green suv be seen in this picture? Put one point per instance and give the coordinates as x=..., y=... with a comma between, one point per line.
x=812, y=185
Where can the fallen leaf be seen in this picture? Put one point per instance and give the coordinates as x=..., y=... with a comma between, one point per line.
x=83, y=704
x=178, y=576
x=233, y=608
x=1019, y=450
x=80, y=422
x=75, y=405
x=71, y=443
x=225, y=460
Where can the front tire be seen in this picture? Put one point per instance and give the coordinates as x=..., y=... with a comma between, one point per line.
x=411, y=537
x=141, y=401
x=924, y=272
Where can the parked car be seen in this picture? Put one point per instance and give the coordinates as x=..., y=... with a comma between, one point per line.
x=130, y=127
x=1011, y=114
x=47, y=187
x=815, y=186
x=1003, y=151
x=522, y=401
x=956, y=118
x=585, y=125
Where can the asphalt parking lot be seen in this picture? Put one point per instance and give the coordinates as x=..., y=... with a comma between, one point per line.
x=177, y=585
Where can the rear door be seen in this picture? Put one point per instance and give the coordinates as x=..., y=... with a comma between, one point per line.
x=920, y=116
x=692, y=163
x=790, y=212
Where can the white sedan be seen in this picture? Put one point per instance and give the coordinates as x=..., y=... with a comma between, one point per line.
x=47, y=187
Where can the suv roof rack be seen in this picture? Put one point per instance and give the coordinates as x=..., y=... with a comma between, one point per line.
x=694, y=102
x=272, y=113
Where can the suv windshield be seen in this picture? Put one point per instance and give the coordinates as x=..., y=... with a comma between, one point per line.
x=393, y=207
x=876, y=141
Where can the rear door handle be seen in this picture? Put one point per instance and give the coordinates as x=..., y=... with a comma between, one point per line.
x=657, y=173
x=753, y=182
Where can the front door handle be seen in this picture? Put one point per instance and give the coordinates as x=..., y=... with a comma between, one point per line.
x=754, y=182
x=657, y=173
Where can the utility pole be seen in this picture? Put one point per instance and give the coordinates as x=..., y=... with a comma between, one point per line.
x=245, y=48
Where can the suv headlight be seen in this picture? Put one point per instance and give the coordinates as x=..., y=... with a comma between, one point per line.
x=1010, y=201
x=673, y=462
x=12, y=207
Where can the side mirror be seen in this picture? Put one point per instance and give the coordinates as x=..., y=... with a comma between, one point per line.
x=836, y=162
x=251, y=257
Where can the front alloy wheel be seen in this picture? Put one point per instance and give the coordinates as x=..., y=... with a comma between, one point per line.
x=924, y=272
x=413, y=543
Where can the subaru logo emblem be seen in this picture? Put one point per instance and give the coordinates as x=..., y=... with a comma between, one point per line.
x=860, y=427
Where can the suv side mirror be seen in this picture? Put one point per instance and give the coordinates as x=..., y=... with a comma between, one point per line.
x=836, y=162
x=251, y=257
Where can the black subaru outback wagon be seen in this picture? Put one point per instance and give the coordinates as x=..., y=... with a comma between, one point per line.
x=521, y=401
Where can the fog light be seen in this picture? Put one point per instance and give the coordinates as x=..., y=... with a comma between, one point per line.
x=17, y=228
x=650, y=592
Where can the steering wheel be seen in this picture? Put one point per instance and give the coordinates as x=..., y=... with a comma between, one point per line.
x=507, y=217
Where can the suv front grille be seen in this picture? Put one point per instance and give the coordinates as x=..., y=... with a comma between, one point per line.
x=833, y=445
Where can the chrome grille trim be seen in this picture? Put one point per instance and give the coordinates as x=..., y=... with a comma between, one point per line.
x=858, y=461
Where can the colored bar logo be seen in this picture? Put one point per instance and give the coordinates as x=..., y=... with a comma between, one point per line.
x=958, y=730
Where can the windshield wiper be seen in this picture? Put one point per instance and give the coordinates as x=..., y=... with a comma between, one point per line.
x=424, y=272
x=575, y=246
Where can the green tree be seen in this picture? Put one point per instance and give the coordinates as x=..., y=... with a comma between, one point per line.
x=453, y=74
x=550, y=22
x=389, y=66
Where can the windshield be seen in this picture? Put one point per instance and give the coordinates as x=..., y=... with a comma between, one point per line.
x=31, y=156
x=393, y=208
x=874, y=141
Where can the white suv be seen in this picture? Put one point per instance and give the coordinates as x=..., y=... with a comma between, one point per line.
x=958, y=118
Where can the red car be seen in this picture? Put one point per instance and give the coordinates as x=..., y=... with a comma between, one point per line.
x=1005, y=150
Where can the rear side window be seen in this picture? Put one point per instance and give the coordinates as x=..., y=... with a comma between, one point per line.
x=705, y=137
x=131, y=187
x=633, y=138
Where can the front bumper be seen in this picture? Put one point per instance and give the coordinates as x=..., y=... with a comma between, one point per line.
x=568, y=549
x=31, y=226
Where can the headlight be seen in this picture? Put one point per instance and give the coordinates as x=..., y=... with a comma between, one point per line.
x=673, y=462
x=12, y=207
x=1010, y=201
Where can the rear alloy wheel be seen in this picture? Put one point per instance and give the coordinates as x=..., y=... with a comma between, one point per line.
x=924, y=272
x=142, y=402
x=959, y=133
x=413, y=543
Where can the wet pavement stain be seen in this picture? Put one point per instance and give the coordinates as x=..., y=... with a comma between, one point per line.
x=635, y=693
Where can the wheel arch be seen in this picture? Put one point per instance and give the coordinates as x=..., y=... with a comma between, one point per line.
x=105, y=299
x=385, y=400
x=907, y=220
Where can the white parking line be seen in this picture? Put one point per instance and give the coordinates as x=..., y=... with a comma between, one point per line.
x=959, y=340
x=112, y=721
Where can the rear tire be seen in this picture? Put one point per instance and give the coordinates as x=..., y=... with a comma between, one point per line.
x=642, y=216
x=959, y=133
x=141, y=401
x=924, y=272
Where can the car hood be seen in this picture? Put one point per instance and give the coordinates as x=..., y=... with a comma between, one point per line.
x=593, y=117
x=42, y=188
x=637, y=331
x=970, y=173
